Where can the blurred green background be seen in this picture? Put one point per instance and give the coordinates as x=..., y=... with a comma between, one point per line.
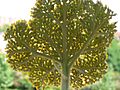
x=12, y=80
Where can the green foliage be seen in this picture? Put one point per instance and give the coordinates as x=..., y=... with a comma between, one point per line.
x=24, y=84
x=114, y=52
x=8, y=78
x=6, y=75
x=64, y=38
x=4, y=27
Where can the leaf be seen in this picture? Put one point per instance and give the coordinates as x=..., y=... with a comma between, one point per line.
x=78, y=33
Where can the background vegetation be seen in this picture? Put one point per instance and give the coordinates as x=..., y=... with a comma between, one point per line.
x=11, y=80
x=4, y=27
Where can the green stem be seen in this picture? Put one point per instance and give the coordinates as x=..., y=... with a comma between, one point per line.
x=65, y=77
x=65, y=84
